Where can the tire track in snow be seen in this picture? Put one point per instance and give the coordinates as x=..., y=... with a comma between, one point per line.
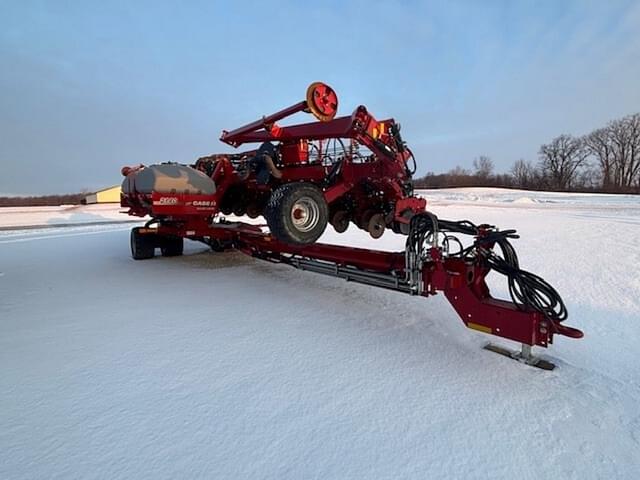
x=29, y=238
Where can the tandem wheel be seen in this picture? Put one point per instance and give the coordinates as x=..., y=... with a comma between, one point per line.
x=144, y=244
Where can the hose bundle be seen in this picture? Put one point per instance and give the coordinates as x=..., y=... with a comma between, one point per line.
x=527, y=290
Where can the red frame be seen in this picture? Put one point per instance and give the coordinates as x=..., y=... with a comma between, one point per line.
x=463, y=284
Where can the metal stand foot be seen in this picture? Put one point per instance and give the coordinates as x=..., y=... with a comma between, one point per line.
x=523, y=356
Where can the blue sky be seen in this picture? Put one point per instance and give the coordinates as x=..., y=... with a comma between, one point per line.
x=86, y=87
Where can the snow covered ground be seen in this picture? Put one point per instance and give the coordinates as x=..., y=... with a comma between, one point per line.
x=65, y=215
x=220, y=366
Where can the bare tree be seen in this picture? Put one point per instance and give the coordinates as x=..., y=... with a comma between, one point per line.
x=588, y=179
x=625, y=134
x=459, y=176
x=458, y=171
x=598, y=143
x=483, y=167
x=617, y=150
x=633, y=123
x=560, y=160
x=523, y=173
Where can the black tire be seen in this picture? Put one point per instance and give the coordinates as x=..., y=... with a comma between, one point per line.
x=293, y=199
x=143, y=245
x=171, y=246
x=217, y=245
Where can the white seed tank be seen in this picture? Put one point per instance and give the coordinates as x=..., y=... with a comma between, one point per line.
x=168, y=178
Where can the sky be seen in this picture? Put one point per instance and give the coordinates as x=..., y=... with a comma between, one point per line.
x=87, y=87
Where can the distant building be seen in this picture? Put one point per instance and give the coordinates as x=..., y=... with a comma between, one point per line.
x=108, y=195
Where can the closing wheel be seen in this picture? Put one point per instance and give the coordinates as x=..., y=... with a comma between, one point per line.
x=254, y=210
x=322, y=101
x=340, y=221
x=297, y=213
x=376, y=225
x=362, y=219
x=239, y=209
x=171, y=246
x=143, y=245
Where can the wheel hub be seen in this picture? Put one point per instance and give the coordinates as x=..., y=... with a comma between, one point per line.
x=305, y=214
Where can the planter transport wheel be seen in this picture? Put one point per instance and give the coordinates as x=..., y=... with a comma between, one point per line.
x=297, y=213
x=143, y=245
x=171, y=246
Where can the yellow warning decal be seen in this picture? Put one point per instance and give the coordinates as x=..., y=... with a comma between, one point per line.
x=480, y=328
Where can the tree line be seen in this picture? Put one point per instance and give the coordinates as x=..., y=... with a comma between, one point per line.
x=605, y=160
x=43, y=200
